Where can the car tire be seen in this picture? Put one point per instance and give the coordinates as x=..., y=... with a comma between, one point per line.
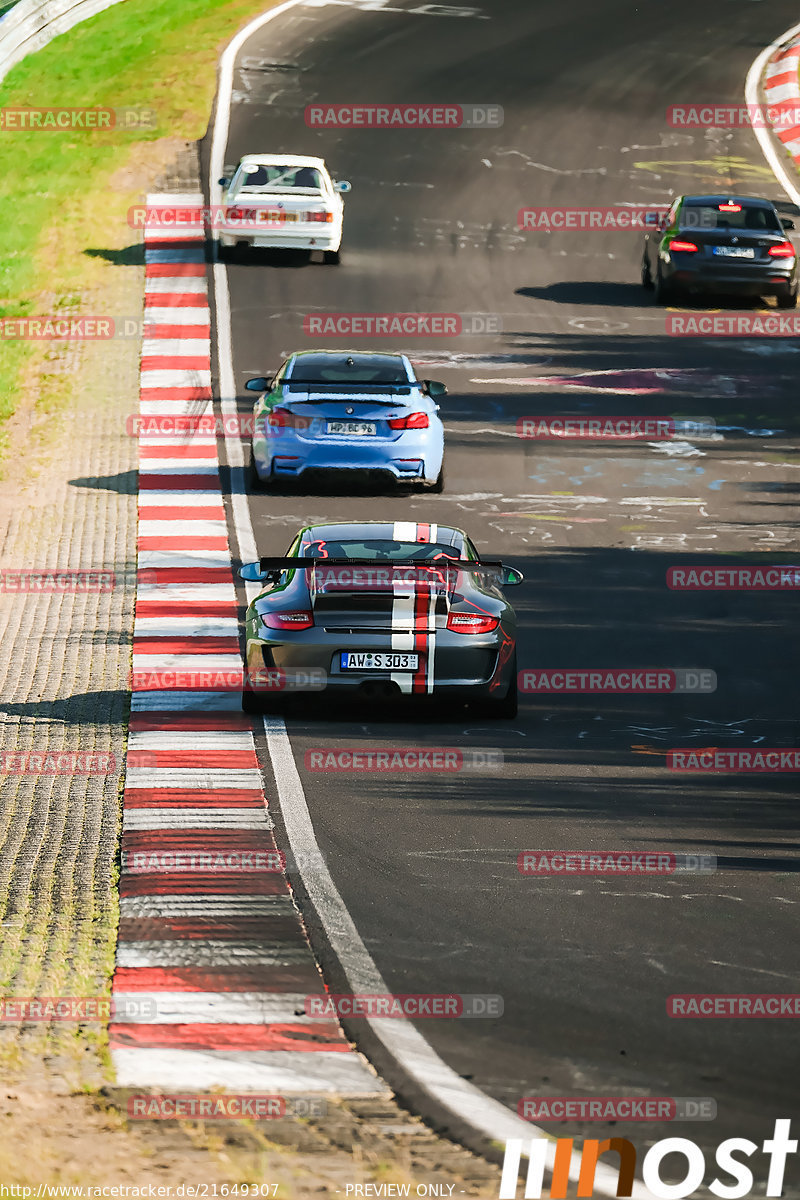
x=438, y=486
x=251, y=703
x=664, y=291
x=787, y=299
x=647, y=278
x=504, y=709
x=254, y=481
x=332, y=257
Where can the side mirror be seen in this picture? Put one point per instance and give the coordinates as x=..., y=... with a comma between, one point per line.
x=252, y=572
x=511, y=577
x=224, y=181
x=786, y=223
x=432, y=387
x=260, y=384
x=342, y=185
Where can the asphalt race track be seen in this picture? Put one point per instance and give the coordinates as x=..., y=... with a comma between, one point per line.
x=427, y=863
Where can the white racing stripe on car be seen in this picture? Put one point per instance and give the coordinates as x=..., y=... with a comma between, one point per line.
x=404, y=531
x=402, y=617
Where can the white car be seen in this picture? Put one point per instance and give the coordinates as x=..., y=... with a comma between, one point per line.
x=283, y=201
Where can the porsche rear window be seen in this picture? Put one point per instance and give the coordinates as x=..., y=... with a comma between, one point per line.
x=380, y=550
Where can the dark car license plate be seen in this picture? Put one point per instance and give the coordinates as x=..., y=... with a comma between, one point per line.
x=377, y=660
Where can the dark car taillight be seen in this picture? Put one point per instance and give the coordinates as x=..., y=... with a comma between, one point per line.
x=240, y=214
x=300, y=618
x=781, y=250
x=417, y=420
x=683, y=247
x=467, y=622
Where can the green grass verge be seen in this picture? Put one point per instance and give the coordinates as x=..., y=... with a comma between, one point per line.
x=64, y=195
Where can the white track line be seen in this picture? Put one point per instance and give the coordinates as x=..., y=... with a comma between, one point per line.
x=486, y=1117
x=764, y=136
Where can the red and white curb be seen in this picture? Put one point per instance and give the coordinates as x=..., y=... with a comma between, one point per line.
x=212, y=967
x=782, y=92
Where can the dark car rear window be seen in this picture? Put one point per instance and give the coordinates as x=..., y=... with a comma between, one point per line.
x=379, y=549
x=329, y=368
x=716, y=216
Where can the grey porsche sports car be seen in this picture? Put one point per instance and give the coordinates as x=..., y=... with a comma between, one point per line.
x=382, y=610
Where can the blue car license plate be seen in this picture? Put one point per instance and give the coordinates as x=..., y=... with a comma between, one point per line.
x=377, y=660
x=353, y=428
x=735, y=251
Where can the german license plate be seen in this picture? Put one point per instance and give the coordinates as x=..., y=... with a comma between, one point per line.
x=734, y=252
x=377, y=660
x=356, y=428
x=274, y=216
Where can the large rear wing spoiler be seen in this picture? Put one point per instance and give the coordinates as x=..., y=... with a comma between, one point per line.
x=342, y=573
x=268, y=565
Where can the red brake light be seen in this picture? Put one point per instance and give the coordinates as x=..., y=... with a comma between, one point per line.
x=324, y=217
x=781, y=250
x=300, y=618
x=280, y=417
x=417, y=420
x=284, y=418
x=730, y=207
x=683, y=247
x=471, y=622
